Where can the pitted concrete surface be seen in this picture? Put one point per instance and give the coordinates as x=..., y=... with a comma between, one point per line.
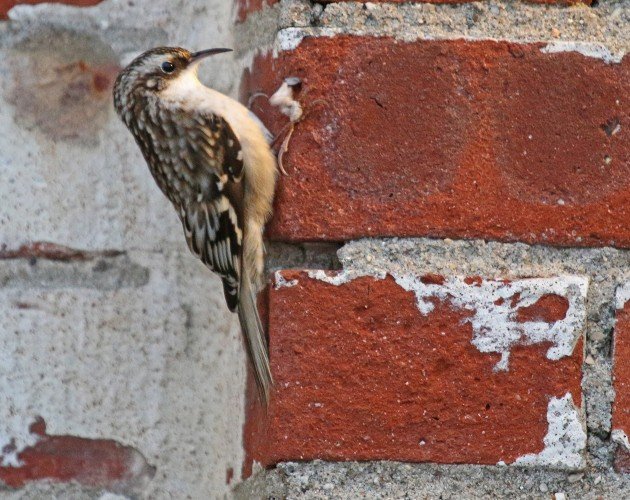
x=137, y=347
x=76, y=176
x=380, y=480
x=152, y=362
x=601, y=30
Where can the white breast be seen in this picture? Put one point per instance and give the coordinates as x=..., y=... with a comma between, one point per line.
x=190, y=93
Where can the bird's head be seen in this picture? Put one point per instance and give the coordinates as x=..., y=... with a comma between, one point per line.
x=156, y=69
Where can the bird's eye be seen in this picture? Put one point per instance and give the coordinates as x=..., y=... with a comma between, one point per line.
x=168, y=67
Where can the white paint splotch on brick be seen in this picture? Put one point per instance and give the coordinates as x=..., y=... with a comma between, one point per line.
x=622, y=295
x=493, y=314
x=596, y=50
x=291, y=38
x=280, y=282
x=338, y=278
x=621, y=438
x=494, y=317
x=565, y=441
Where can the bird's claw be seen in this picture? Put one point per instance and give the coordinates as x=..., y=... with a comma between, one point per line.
x=253, y=97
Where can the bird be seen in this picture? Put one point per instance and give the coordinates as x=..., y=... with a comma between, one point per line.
x=211, y=157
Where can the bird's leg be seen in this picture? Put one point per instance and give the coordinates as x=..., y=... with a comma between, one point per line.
x=280, y=134
x=284, y=146
x=284, y=99
x=285, y=142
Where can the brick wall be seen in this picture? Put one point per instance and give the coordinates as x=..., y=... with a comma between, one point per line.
x=473, y=164
x=449, y=259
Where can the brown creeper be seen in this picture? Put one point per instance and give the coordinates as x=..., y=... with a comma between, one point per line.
x=211, y=157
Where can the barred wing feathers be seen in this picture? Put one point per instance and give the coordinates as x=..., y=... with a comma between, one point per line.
x=197, y=162
x=210, y=200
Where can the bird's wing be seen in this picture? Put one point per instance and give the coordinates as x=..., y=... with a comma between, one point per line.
x=205, y=160
x=211, y=166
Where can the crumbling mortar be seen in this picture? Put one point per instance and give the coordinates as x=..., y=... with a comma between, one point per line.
x=598, y=32
x=302, y=256
x=318, y=479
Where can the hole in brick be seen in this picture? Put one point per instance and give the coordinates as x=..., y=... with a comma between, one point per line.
x=612, y=126
x=487, y=406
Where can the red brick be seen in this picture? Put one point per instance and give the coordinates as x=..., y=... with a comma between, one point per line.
x=361, y=374
x=432, y=138
x=621, y=384
x=622, y=460
x=91, y=462
x=6, y=5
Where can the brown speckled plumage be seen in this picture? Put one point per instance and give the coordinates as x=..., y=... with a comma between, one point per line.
x=197, y=161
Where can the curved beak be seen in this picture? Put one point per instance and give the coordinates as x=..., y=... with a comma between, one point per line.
x=198, y=56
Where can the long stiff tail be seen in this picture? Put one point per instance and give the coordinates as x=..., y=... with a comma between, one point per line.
x=254, y=338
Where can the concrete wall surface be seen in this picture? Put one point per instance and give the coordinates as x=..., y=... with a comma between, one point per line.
x=120, y=369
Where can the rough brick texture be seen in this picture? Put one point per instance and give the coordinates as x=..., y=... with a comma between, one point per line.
x=621, y=407
x=6, y=5
x=452, y=139
x=362, y=374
